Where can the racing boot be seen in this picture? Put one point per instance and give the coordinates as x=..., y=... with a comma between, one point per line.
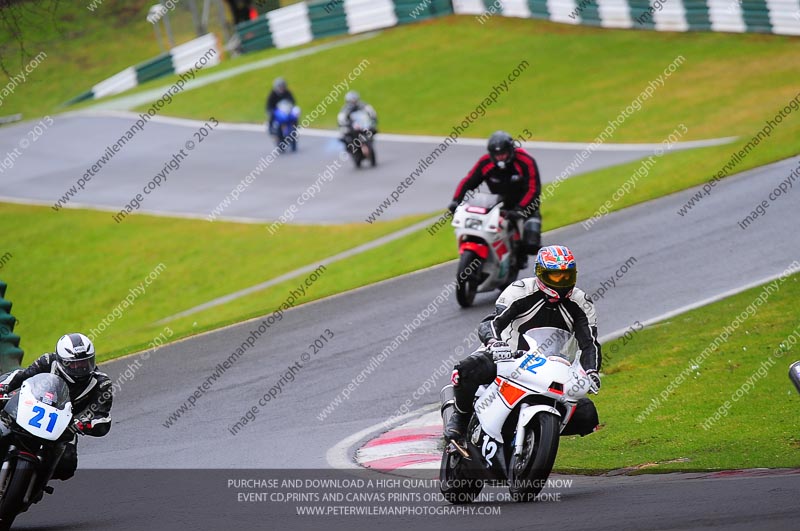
x=456, y=428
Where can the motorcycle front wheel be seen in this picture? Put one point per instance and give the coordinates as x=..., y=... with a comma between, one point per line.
x=528, y=472
x=358, y=158
x=468, y=271
x=14, y=491
x=372, y=160
x=455, y=488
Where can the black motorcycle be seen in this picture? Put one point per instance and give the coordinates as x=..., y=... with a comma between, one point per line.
x=36, y=424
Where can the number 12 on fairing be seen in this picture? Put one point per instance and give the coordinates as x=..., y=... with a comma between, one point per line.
x=36, y=420
x=537, y=362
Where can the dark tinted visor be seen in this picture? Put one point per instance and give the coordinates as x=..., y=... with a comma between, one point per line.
x=79, y=368
x=564, y=278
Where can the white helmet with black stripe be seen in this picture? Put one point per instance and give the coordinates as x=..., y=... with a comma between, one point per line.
x=75, y=354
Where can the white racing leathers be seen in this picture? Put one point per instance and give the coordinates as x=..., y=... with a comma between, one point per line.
x=523, y=306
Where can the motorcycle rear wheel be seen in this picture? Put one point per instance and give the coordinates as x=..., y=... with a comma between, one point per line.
x=528, y=473
x=15, y=488
x=466, y=285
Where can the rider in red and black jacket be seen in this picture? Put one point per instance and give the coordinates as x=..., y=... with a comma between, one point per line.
x=513, y=174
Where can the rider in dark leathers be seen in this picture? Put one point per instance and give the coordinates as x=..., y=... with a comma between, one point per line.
x=280, y=91
x=89, y=391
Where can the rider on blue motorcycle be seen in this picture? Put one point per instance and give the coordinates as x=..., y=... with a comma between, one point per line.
x=279, y=92
x=513, y=174
x=550, y=299
x=89, y=391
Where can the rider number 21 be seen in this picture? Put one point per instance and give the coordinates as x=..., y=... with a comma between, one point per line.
x=36, y=421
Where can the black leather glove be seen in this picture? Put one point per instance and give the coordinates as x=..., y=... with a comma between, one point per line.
x=452, y=206
x=514, y=214
x=594, y=381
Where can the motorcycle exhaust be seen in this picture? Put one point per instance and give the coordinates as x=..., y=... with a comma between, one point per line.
x=448, y=398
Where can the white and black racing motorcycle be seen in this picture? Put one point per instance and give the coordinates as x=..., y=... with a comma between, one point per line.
x=37, y=423
x=486, y=242
x=514, y=433
x=359, y=139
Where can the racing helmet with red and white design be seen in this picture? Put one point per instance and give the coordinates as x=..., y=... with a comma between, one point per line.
x=556, y=272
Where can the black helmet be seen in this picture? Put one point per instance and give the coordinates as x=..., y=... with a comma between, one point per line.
x=75, y=354
x=501, y=143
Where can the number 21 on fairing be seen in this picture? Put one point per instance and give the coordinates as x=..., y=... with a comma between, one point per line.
x=36, y=420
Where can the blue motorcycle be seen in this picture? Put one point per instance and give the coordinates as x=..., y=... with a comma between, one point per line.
x=284, y=124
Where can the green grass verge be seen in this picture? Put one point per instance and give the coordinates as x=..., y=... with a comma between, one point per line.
x=759, y=429
x=82, y=48
x=55, y=291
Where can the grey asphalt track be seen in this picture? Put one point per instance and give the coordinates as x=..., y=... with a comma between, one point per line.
x=203, y=500
x=48, y=167
x=287, y=432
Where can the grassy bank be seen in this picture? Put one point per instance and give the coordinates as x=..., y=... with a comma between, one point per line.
x=575, y=81
x=55, y=291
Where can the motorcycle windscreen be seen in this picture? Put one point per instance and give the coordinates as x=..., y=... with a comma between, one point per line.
x=547, y=341
x=44, y=408
x=285, y=106
x=285, y=111
x=361, y=120
x=487, y=201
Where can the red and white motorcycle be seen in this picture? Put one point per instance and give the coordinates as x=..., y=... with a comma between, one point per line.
x=486, y=242
x=513, y=435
